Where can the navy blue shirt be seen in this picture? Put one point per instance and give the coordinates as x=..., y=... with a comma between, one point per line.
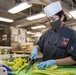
x=58, y=44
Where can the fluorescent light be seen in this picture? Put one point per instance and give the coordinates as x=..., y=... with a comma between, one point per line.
x=36, y=16
x=69, y=15
x=6, y=19
x=19, y=7
x=73, y=13
x=28, y=32
x=37, y=35
x=36, y=27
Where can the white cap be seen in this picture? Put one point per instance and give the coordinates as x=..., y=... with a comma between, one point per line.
x=52, y=8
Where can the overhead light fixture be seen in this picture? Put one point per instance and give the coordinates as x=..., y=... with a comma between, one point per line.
x=20, y=7
x=73, y=13
x=36, y=27
x=28, y=32
x=69, y=15
x=6, y=19
x=37, y=35
x=36, y=16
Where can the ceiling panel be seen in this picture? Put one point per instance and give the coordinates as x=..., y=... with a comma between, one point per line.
x=20, y=18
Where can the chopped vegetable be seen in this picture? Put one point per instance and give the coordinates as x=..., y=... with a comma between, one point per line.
x=52, y=70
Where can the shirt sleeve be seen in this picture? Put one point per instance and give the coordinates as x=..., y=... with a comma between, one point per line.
x=71, y=49
x=40, y=43
x=42, y=40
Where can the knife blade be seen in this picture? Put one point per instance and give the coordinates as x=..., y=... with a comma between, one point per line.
x=30, y=65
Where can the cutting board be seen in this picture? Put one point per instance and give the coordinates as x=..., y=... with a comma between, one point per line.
x=66, y=68
x=23, y=72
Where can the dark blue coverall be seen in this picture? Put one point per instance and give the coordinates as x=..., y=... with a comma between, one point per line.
x=58, y=44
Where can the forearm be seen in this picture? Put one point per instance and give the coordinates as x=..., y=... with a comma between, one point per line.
x=65, y=61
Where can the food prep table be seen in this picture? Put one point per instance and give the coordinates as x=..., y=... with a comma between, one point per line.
x=63, y=68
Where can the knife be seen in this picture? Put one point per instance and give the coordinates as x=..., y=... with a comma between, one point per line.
x=30, y=65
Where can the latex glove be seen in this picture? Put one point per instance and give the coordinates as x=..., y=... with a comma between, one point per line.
x=45, y=64
x=34, y=53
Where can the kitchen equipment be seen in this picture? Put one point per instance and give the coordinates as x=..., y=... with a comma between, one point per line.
x=30, y=65
x=6, y=68
x=3, y=71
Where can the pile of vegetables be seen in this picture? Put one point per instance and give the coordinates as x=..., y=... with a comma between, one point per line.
x=17, y=64
x=4, y=51
x=51, y=71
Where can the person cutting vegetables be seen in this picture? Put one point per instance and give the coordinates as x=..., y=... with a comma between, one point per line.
x=58, y=45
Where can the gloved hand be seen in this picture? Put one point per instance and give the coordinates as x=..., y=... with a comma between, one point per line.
x=45, y=64
x=34, y=53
